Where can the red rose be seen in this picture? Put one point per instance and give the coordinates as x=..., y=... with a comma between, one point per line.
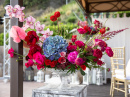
x=99, y=62
x=29, y=63
x=83, y=67
x=73, y=39
x=71, y=48
x=62, y=60
x=80, y=44
x=102, y=31
x=48, y=62
x=70, y=43
x=40, y=66
x=97, y=53
x=31, y=38
x=53, y=18
x=57, y=14
x=33, y=49
x=74, y=36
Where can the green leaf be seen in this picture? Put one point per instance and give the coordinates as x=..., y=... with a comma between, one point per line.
x=82, y=72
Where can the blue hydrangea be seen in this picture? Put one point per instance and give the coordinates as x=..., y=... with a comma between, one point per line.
x=53, y=46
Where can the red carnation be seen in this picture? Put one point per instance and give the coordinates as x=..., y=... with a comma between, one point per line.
x=83, y=67
x=62, y=60
x=99, y=62
x=102, y=31
x=80, y=44
x=48, y=62
x=53, y=18
x=33, y=49
x=53, y=64
x=57, y=14
x=31, y=38
x=11, y=52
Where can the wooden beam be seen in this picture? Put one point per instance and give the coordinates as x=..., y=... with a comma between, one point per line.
x=16, y=84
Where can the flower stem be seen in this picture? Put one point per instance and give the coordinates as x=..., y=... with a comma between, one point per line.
x=19, y=54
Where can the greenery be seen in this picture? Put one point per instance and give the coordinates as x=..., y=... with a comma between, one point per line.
x=2, y=39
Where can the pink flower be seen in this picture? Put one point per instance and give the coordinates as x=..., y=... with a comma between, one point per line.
x=99, y=62
x=100, y=42
x=81, y=31
x=11, y=52
x=40, y=59
x=21, y=17
x=42, y=38
x=63, y=54
x=30, y=22
x=72, y=56
x=29, y=63
x=62, y=60
x=82, y=24
x=80, y=44
x=79, y=61
x=24, y=27
x=97, y=53
x=48, y=32
x=17, y=34
x=39, y=27
x=96, y=22
x=109, y=52
x=16, y=11
x=9, y=9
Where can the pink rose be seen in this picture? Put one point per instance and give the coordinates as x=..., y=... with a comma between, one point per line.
x=72, y=56
x=80, y=44
x=17, y=34
x=97, y=53
x=81, y=31
x=29, y=63
x=39, y=58
x=11, y=52
x=63, y=54
x=79, y=61
x=99, y=62
x=109, y=52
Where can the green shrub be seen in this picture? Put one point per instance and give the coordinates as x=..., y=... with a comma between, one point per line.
x=71, y=19
x=1, y=39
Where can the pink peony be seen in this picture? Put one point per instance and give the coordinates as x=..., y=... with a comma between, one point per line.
x=17, y=34
x=81, y=31
x=109, y=52
x=80, y=44
x=29, y=63
x=79, y=61
x=99, y=62
x=11, y=52
x=72, y=56
x=97, y=53
x=39, y=58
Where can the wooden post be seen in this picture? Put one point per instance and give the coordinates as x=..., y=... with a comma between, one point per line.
x=16, y=84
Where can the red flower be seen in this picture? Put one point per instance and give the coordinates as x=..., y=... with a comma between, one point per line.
x=53, y=18
x=53, y=64
x=109, y=52
x=79, y=61
x=73, y=39
x=71, y=48
x=83, y=67
x=70, y=43
x=33, y=49
x=57, y=14
x=97, y=53
x=102, y=31
x=29, y=63
x=81, y=31
x=62, y=60
x=31, y=38
x=39, y=66
x=74, y=36
x=11, y=52
x=86, y=28
x=48, y=62
x=108, y=69
x=80, y=44
x=99, y=62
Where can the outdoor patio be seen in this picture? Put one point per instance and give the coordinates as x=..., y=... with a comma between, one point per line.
x=93, y=90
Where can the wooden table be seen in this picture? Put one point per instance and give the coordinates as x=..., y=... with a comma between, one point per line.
x=53, y=91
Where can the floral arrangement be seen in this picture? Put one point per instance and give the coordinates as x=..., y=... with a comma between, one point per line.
x=47, y=51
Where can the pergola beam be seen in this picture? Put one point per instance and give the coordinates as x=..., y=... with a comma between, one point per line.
x=16, y=84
